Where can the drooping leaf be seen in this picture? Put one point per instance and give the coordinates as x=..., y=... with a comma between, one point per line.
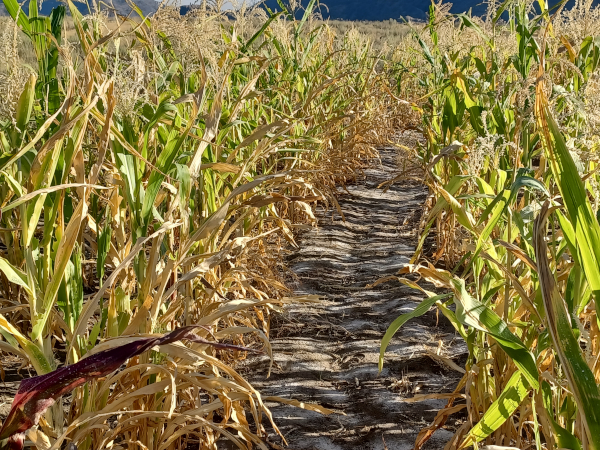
x=419, y=310
x=37, y=394
x=474, y=313
x=14, y=275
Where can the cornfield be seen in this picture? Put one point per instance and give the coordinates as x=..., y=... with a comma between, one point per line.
x=151, y=169
x=509, y=246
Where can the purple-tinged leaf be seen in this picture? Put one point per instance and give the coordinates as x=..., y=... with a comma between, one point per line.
x=37, y=394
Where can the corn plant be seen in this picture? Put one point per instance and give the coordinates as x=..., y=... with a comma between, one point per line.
x=152, y=196
x=515, y=225
x=45, y=34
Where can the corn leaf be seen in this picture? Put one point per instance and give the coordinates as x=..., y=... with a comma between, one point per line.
x=419, y=310
x=581, y=379
x=37, y=394
x=564, y=438
x=25, y=104
x=572, y=189
x=14, y=275
x=462, y=215
x=14, y=9
x=505, y=405
x=34, y=353
x=474, y=313
x=63, y=256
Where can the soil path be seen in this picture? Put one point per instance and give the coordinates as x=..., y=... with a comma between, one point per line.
x=327, y=353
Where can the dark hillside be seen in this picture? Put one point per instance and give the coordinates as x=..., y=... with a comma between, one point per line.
x=373, y=10
x=147, y=6
x=391, y=9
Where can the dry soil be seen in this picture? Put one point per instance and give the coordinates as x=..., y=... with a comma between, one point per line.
x=327, y=353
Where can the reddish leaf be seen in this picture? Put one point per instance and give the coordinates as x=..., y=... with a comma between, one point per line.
x=37, y=394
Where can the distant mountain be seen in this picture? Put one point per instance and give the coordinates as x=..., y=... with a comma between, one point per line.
x=370, y=10
x=391, y=9
x=147, y=6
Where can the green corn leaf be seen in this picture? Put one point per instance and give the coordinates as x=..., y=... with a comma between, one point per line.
x=56, y=20
x=103, y=240
x=63, y=256
x=587, y=238
x=305, y=16
x=15, y=11
x=57, y=17
x=33, y=10
x=461, y=84
x=566, y=176
x=62, y=296
x=581, y=380
x=185, y=184
x=507, y=403
x=467, y=21
x=426, y=52
x=262, y=29
x=484, y=187
x=451, y=316
x=586, y=298
x=140, y=13
x=14, y=275
x=33, y=352
x=14, y=185
x=496, y=209
x=474, y=313
x=76, y=283
x=421, y=309
x=462, y=215
x=564, y=438
x=569, y=234
x=133, y=186
x=161, y=111
x=574, y=294
x=70, y=294
x=501, y=202
x=123, y=303
x=452, y=187
x=25, y=104
x=528, y=182
x=282, y=6
x=164, y=163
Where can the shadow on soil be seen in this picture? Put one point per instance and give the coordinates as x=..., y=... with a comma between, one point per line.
x=328, y=353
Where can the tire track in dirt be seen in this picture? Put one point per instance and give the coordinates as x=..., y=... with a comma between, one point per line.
x=327, y=353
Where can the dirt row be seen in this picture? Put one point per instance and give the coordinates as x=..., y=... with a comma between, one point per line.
x=327, y=353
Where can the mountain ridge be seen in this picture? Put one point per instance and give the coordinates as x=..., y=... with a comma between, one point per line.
x=380, y=10
x=352, y=10
x=147, y=6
